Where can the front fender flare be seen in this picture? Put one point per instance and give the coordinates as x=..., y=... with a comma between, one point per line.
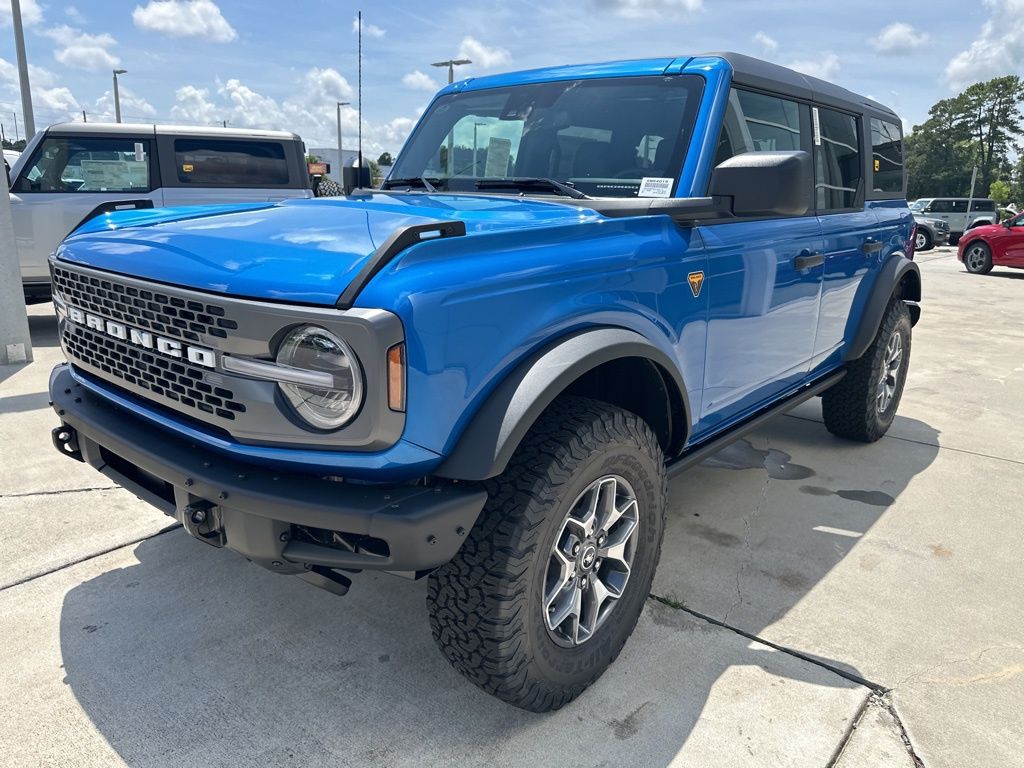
x=896, y=272
x=500, y=424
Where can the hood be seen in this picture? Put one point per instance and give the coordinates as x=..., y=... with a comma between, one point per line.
x=303, y=251
x=986, y=229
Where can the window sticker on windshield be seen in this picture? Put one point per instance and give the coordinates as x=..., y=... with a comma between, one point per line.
x=654, y=186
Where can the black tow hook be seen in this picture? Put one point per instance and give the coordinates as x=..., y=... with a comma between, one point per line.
x=201, y=520
x=65, y=440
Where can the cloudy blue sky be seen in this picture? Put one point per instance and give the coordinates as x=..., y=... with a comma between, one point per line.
x=284, y=65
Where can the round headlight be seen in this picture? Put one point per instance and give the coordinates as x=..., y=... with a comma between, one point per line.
x=335, y=389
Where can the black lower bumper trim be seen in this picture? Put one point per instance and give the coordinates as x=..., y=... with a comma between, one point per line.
x=253, y=509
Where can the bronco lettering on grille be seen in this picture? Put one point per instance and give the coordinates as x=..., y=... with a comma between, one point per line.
x=170, y=347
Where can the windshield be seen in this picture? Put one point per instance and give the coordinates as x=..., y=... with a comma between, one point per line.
x=919, y=205
x=620, y=137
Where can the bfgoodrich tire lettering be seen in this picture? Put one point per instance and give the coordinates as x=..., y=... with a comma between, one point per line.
x=863, y=404
x=487, y=605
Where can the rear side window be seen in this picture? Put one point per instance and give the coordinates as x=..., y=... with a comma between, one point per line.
x=228, y=163
x=87, y=165
x=983, y=205
x=757, y=122
x=886, y=156
x=837, y=159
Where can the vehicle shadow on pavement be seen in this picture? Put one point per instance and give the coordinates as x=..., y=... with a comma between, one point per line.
x=194, y=657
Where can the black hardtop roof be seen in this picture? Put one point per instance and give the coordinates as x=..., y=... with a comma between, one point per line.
x=764, y=75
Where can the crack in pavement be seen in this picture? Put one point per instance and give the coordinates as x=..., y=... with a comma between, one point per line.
x=852, y=677
x=27, y=494
x=954, y=662
x=747, y=549
x=890, y=436
x=90, y=556
x=876, y=691
x=882, y=701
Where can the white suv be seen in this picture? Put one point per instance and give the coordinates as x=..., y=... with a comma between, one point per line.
x=72, y=172
x=953, y=211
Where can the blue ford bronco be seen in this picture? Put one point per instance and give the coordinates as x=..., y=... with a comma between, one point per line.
x=575, y=283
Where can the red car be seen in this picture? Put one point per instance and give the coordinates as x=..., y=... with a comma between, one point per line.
x=993, y=245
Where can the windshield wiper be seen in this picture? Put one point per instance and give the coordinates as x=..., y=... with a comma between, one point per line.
x=421, y=181
x=533, y=181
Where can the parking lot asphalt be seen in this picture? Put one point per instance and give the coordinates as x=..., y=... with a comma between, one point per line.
x=817, y=603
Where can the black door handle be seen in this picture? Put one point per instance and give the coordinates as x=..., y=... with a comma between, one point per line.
x=806, y=260
x=871, y=247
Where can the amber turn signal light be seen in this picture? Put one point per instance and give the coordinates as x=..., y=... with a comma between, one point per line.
x=396, y=377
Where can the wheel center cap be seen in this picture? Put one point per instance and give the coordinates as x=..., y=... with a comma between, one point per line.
x=588, y=557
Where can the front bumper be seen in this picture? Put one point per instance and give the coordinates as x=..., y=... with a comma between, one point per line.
x=277, y=519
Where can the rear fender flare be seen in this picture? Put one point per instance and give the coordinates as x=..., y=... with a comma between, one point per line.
x=898, y=276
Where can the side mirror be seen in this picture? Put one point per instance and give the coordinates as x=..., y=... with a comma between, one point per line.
x=765, y=183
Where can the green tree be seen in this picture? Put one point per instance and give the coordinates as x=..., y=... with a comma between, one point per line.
x=385, y=159
x=988, y=115
x=937, y=155
x=979, y=127
x=999, y=191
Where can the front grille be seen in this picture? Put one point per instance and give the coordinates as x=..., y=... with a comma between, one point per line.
x=169, y=379
x=153, y=310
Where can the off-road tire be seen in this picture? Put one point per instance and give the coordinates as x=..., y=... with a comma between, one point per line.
x=486, y=605
x=986, y=263
x=850, y=407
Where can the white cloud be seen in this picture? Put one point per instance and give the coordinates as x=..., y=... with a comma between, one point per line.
x=649, y=9
x=31, y=13
x=191, y=105
x=769, y=44
x=418, y=81
x=133, y=106
x=898, y=38
x=80, y=50
x=482, y=55
x=74, y=14
x=370, y=30
x=55, y=99
x=54, y=103
x=310, y=111
x=826, y=66
x=998, y=49
x=185, y=18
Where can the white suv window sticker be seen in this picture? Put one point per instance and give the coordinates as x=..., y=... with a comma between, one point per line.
x=655, y=186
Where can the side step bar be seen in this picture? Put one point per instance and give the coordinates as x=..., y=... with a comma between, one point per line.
x=699, y=452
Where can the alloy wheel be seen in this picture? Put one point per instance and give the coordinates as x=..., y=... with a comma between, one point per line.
x=891, y=362
x=590, y=560
x=975, y=258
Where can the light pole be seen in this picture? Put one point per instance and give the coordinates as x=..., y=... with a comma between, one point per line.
x=341, y=163
x=117, y=95
x=15, y=341
x=26, y=90
x=452, y=64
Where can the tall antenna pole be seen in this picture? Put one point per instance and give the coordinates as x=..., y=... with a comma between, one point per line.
x=360, y=87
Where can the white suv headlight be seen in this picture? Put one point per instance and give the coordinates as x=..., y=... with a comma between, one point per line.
x=317, y=350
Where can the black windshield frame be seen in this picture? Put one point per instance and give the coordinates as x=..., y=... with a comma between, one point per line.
x=630, y=110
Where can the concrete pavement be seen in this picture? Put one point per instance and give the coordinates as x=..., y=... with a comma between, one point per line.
x=818, y=603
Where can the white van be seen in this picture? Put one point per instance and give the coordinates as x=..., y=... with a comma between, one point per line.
x=71, y=172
